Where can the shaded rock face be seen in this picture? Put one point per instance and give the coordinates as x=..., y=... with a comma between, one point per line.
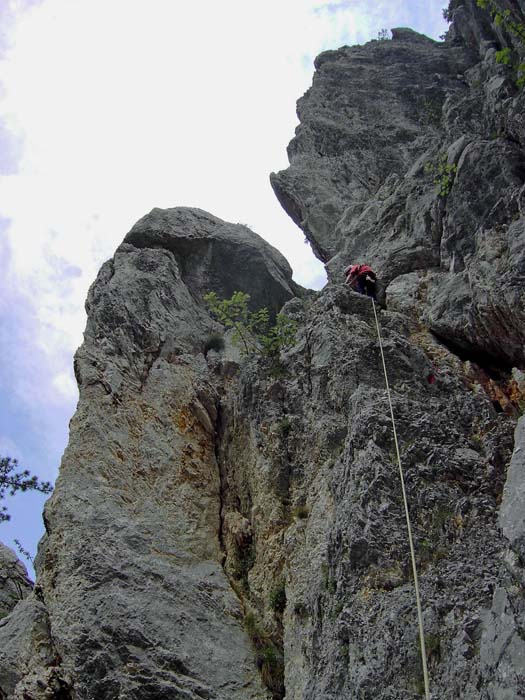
x=232, y=528
x=213, y=255
x=378, y=126
x=15, y=584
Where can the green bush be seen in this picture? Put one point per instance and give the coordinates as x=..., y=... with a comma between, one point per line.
x=444, y=173
x=284, y=426
x=507, y=21
x=252, y=331
x=268, y=658
x=278, y=598
x=245, y=562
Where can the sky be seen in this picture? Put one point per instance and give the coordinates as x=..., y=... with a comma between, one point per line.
x=109, y=108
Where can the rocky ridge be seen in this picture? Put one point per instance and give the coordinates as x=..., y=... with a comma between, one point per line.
x=232, y=527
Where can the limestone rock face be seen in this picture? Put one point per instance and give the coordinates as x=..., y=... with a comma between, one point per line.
x=512, y=511
x=29, y=664
x=231, y=527
x=217, y=256
x=423, y=172
x=138, y=603
x=310, y=462
x=14, y=581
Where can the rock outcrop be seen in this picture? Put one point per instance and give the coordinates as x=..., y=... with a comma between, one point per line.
x=231, y=527
x=138, y=602
x=380, y=124
x=15, y=584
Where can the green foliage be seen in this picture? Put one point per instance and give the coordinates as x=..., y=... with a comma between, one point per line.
x=505, y=20
x=284, y=426
x=440, y=518
x=383, y=35
x=12, y=481
x=338, y=609
x=447, y=15
x=419, y=685
x=251, y=329
x=251, y=627
x=267, y=655
x=520, y=71
x=432, y=645
x=431, y=110
x=278, y=598
x=444, y=174
x=282, y=335
x=504, y=56
x=245, y=562
x=445, y=177
x=329, y=584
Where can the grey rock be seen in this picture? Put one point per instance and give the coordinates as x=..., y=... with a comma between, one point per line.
x=138, y=602
x=364, y=164
x=512, y=511
x=502, y=650
x=352, y=140
x=214, y=255
x=28, y=661
x=320, y=435
x=15, y=584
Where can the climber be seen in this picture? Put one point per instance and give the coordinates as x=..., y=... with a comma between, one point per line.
x=362, y=278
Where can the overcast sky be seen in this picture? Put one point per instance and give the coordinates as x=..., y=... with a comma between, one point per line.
x=109, y=108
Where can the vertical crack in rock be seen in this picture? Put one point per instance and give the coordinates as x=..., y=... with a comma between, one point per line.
x=218, y=434
x=150, y=357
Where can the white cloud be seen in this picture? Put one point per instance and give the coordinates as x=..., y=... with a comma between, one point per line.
x=65, y=385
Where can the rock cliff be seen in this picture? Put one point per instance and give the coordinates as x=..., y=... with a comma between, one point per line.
x=15, y=584
x=232, y=527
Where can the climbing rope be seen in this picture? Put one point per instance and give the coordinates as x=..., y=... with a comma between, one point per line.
x=407, y=515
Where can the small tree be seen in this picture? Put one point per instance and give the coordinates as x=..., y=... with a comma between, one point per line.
x=444, y=174
x=251, y=329
x=12, y=481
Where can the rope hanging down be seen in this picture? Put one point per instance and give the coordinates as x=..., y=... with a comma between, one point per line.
x=407, y=515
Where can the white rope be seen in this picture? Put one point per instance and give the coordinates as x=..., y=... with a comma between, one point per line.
x=409, y=527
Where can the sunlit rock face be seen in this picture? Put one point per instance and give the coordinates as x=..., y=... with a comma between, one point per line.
x=231, y=527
